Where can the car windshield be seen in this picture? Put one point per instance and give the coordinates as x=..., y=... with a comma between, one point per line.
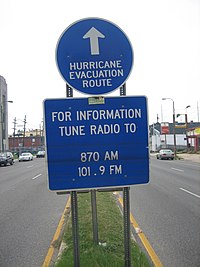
x=25, y=154
x=2, y=154
x=166, y=151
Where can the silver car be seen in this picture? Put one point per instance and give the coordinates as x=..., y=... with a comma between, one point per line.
x=165, y=154
x=5, y=158
x=40, y=154
x=26, y=156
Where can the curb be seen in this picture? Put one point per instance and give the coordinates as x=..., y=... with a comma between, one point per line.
x=53, y=252
x=151, y=253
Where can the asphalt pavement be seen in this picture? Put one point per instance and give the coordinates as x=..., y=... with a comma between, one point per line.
x=29, y=214
x=167, y=210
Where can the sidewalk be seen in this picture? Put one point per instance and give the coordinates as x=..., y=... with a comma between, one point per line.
x=191, y=157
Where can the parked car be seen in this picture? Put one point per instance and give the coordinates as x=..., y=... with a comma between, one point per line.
x=40, y=154
x=165, y=154
x=5, y=158
x=26, y=156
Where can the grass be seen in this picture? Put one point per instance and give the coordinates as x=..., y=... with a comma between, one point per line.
x=110, y=231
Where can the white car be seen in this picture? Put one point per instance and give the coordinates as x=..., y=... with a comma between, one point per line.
x=40, y=154
x=26, y=156
x=165, y=154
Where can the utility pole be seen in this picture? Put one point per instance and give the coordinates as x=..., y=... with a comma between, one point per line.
x=174, y=129
x=14, y=129
x=24, y=130
x=174, y=124
x=157, y=119
x=41, y=133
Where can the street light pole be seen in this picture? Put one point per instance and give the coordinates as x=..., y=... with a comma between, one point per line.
x=186, y=116
x=24, y=131
x=186, y=122
x=174, y=125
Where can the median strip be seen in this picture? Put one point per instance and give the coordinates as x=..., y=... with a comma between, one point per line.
x=110, y=251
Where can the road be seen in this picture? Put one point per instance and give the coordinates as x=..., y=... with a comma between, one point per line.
x=168, y=211
x=29, y=214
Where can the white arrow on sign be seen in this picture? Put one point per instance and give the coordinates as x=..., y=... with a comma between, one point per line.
x=94, y=34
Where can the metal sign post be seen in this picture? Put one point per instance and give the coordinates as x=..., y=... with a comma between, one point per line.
x=94, y=217
x=74, y=208
x=126, y=212
x=75, y=231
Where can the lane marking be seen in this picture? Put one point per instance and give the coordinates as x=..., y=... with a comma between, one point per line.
x=51, y=249
x=35, y=177
x=191, y=165
x=145, y=242
x=179, y=170
x=29, y=166
x=193, y=194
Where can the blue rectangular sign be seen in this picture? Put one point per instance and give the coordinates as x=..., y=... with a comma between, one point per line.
x=96, y=142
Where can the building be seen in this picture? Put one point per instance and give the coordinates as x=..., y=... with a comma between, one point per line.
x=3, y=115
x=162, y=136
x=32, y=141
x=193, y=137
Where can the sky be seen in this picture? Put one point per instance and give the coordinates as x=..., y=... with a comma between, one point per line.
x=165, y=37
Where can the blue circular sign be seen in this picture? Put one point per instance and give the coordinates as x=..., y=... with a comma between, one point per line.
x=94, y=56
